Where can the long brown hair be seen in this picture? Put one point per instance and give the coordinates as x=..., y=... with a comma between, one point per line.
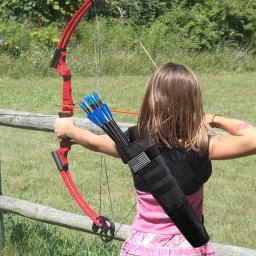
x=172, y=110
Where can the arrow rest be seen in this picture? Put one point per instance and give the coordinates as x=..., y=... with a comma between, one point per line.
x=106, y=227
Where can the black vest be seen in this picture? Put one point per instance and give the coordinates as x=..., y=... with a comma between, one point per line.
x=189, y=169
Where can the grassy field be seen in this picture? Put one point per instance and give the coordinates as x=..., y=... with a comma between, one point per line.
x=29, y=173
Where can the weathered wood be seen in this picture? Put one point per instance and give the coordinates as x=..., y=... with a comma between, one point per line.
x=53, y=216
x=230, y=250
x=42, y=122
x=1, y=215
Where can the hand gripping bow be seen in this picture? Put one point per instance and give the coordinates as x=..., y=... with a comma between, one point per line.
x=101, y=224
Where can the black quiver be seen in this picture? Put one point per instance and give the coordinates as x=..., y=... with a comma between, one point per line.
x=145, y=160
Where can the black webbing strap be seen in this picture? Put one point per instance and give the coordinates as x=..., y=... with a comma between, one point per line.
x=145, y=160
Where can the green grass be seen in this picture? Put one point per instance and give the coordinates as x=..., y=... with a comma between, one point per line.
x=29, y=172
x=115, y=61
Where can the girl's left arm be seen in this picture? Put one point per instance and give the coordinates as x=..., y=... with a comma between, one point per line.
x=64, y=127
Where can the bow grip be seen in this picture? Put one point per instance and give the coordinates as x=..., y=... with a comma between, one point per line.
x=60, y=155
x=67, y=142
x=64, y=114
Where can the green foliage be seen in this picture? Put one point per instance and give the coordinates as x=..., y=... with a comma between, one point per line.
x=64, y=8
x=19, y=9
x=46, y=37
x=15, y=38
x=117, y=49
x=194, y=32
x=20, y=38
x=140, y=12
x=114, y=34
x=41, y=12
x=190, y=24
x=205, y=24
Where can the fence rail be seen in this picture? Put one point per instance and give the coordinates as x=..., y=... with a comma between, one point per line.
x=56, y=217
x=42, y=213
x=42, y=122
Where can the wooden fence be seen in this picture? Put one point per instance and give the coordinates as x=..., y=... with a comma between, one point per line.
x=42, y=213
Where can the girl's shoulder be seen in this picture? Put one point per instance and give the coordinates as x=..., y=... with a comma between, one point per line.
x=189, y=168
x=132, y=133
x=179, y=153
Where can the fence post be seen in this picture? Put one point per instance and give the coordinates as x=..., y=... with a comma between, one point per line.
x=1, y=215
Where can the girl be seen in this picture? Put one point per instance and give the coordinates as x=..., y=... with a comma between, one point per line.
x=172, y=113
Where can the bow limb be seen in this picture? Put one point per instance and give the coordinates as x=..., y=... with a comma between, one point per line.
x=100, y=223
x=73, y=23
x=61, y=47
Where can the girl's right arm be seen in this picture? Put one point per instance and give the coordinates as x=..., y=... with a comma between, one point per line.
x=64, y=127
x=241, y=141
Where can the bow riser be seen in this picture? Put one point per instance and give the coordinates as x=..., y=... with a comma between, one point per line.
x=67, y=101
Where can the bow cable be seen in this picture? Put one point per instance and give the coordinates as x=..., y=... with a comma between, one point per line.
x=97, y=57
x=123, y=17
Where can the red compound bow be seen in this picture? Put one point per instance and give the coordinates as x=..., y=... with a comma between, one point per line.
x=101, y=224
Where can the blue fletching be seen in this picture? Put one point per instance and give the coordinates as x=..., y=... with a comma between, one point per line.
x=88, y=100
x=83, y=106
x=93, y=100
x=95, y=96
x=91, y=116
x=107, y=111
x=100, y=115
